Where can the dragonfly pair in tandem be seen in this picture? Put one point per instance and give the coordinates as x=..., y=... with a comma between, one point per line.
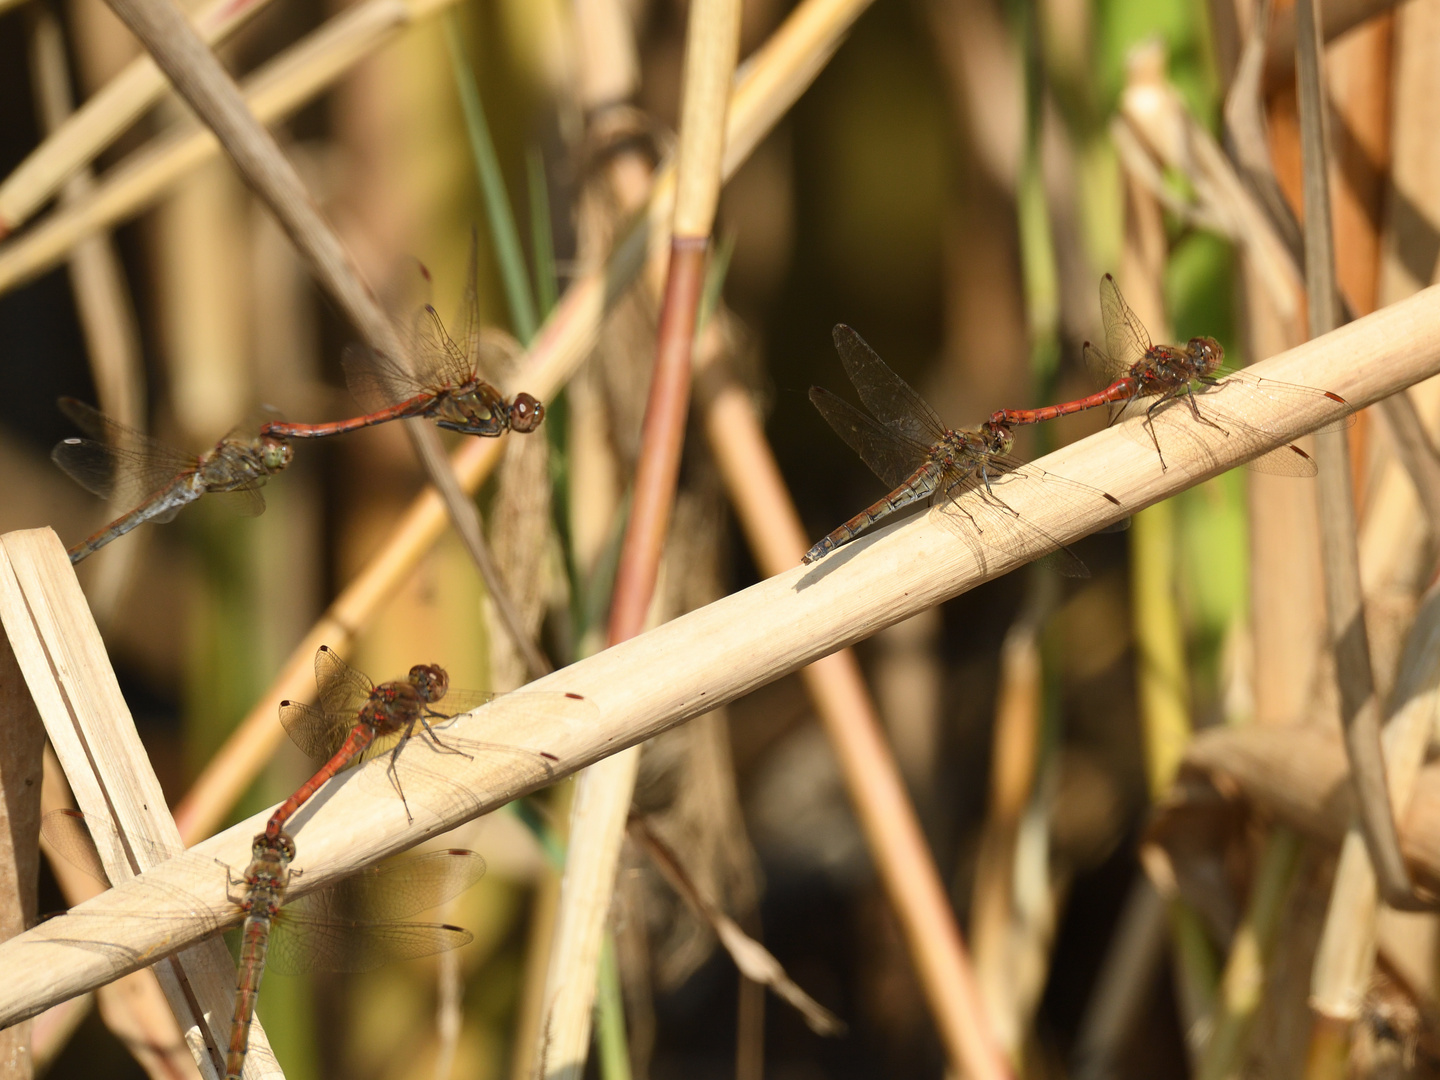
x=355, y=928
x=965, y=472
x=442, y=381
x=355, y=925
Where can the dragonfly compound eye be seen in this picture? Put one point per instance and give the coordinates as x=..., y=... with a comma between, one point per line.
x=526, y=413
x=1208, y=350
x=430, y=680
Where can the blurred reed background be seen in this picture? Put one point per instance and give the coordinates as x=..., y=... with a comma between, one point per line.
x=951, y=187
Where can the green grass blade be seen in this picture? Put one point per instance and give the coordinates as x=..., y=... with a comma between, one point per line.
x=506, y=237
x=542, y=240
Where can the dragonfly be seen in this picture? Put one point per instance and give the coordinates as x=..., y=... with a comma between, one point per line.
x=354, y=925
x=441, y=382
x=119, y=463
x=906, y=444
x=357, y=720
x=1139, y=375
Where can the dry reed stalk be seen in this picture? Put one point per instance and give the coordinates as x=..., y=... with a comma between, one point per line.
x=692, y=665
x=765, y=87
x=603, y=794
x=73, y=145
x=1346, y=957
x=1359, y=703
x=835, y=684
x=1299, y=777
x=1159, y=638
x=21, y=752
x=70, y=680
x=275, y=91
x=755, y=961
x=1339, y=16
x=134, y=1007
x=102, y=299
x=1014, y=757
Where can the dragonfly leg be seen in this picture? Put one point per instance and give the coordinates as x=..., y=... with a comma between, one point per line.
x=1195, y=412
x=1149, y=425
x=441, y=745
x=393, y=772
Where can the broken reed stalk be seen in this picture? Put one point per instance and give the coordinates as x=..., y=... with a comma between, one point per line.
x=21, y=755
x=208, y=87
x=1359, y=704
x=765, y=87
x=690, y=665
x=752, y=958
x=273, y=92
x=73, y=145
x=134, y=1007
x=70, y=681
x=603, y=794
x=835, y=684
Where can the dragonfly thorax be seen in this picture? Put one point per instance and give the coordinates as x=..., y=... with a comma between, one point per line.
x=473, y=409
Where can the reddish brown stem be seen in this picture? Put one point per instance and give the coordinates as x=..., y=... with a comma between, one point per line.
x=661, y=439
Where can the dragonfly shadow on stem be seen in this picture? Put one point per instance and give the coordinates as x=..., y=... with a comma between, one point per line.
x=834, y=559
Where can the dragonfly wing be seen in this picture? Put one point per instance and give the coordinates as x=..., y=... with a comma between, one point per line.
x=439, y=361
x=343, y=690
x=889, y=397
x=116, y=462
x=398, y=888
x=981, y=517
x=245, y=501
x=456, y=702
x=300, y=944
x=318, y=733
x=376, y=380
x=890, y=457
x=1287, y=460
x=1126, y=339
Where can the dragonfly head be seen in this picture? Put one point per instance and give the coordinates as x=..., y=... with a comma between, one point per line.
x=275, y=453
x=525, y=413
x=1207, y=351
x=266, y=848
x=430, y=681
x=995, y=436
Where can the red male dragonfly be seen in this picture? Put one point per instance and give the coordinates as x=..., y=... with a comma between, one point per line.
x=907, y=445
x=1141, y=376
x=119, y=463
x=443, y=381
x=352, y=926
x=358, y=720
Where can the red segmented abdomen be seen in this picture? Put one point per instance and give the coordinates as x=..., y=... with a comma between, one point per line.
x=1120, y=390
x=355, y=743
x=418, y=405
